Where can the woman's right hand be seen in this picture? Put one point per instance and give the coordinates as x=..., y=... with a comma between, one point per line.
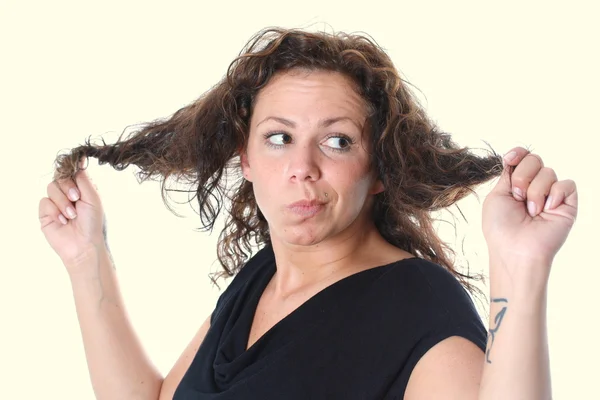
x=83, y=235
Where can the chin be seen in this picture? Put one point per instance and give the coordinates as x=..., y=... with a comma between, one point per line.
x=301, y=236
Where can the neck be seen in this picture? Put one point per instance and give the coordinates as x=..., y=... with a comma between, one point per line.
x=300, y=267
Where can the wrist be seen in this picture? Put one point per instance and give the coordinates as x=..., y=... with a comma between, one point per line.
x=88, y=263
x=523, y=284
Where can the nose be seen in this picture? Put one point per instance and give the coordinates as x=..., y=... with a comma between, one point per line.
x=303, y=163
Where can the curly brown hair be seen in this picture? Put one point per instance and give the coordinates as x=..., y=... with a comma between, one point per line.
x=421, y=168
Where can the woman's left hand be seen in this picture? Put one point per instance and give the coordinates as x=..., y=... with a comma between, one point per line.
x=520, y=230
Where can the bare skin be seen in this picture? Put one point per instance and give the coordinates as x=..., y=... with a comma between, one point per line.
x=296, y=156
x=271, y=309
x=311, y=160
x=312, y=253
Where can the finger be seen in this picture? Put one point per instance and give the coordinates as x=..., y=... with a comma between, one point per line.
x=515, y=155
x=83, y=181
x=69, y=188
x=49, y=213
x=524, y=174
x=563, y=191
x=539, y=189
x=59, y=198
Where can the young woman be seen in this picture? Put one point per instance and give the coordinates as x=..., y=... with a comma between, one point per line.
x=351, y=294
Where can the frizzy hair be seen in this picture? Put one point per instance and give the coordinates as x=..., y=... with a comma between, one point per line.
x=422, y=169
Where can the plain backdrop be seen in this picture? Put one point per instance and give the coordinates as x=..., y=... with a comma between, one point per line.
x=512, y=73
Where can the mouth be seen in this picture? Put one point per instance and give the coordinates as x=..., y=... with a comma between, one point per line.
x=306, y=208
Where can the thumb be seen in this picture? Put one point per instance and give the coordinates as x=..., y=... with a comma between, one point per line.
x=84, y=183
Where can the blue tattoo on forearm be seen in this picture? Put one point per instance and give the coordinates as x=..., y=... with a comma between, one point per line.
x=497, y=321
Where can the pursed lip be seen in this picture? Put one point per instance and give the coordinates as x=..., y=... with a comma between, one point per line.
x=306, y=203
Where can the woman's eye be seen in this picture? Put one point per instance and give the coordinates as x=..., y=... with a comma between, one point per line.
x=279, y=138
x=335, y=143
x=338, y=142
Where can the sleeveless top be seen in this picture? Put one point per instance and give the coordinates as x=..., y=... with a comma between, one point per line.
x=358, y=338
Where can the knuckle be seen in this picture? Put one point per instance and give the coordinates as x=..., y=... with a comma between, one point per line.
x=521, y=149
x=567, y=185
x=52, y=190
x=536, y=156
x=519, y=180
x=43, y=203
x=67, y=184
x=50, y=186
x=549, y=171
x=537, y=195
x=47, y=206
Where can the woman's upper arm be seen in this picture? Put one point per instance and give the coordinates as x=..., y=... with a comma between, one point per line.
x=449, y=370
x=182, y=364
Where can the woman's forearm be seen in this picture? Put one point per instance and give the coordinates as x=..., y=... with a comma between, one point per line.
x=516, y=364
x=118, y=365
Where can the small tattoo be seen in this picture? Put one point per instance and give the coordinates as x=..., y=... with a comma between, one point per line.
x=497, y=321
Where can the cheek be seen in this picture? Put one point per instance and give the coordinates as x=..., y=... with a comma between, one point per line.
x=352, y=187
x=356, y=194
x=267, y=173
x=353, y=179
x=266, y=185
x=260, y=166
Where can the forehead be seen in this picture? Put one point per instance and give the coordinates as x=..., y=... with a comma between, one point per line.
x=299, y=89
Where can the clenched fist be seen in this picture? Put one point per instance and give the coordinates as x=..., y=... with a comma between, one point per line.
x=72, y=219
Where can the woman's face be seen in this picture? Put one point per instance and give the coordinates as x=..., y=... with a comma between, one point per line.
x=306, y=139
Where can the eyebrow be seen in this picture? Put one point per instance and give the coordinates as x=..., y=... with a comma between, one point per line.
x=324, y=123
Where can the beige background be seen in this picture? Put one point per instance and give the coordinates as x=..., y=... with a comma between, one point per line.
x=516, y=73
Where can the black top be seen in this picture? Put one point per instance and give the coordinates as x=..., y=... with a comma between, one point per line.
x=358, y=338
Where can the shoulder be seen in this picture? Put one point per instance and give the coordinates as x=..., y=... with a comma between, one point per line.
x=444, y=324
x=426, y=284
x=447, y=362
x=427, y=299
